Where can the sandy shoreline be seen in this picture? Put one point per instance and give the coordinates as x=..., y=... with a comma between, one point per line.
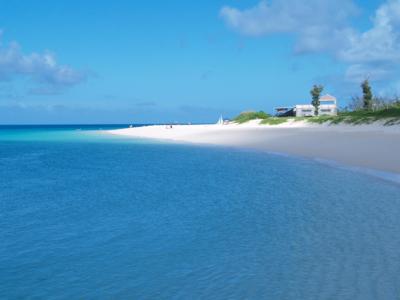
x=368, y=146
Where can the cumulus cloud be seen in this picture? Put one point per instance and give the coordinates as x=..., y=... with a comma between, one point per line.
x=375, y=53
x=317, y=24
x=41, y=67
x=379, y=44
x=324, y=26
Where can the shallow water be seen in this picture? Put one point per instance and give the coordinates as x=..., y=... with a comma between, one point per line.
x=90, y=216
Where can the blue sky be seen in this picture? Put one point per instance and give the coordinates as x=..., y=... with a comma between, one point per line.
x=188, y=61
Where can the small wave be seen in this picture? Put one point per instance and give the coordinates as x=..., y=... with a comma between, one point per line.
x=388, y=176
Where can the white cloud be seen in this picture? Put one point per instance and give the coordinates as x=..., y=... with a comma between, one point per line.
x=379, y=44
x=324, y=26
x=374, y=72
x=258, y=20
x=41, y=67
x=375, y=53
x=317, y=24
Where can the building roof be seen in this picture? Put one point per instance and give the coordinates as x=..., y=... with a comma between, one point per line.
x=283, y=107
x=327, y=97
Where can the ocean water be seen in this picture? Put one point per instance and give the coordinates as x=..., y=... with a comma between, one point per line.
x=85, y=215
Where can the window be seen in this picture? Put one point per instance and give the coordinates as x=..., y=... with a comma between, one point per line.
x=327, y=102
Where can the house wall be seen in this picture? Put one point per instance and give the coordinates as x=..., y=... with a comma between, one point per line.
x=327, y=110
x=305, y=110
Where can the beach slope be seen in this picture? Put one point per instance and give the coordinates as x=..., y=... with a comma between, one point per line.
x=369, y=146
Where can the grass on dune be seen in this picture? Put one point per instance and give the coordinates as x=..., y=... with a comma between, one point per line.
x=390, y=115
x=274, y=121
x=281, y=120
x=250, y=115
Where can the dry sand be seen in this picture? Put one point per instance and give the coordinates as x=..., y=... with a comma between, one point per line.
x=368, y=146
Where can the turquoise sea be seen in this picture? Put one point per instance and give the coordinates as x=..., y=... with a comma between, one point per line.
x=84, y=215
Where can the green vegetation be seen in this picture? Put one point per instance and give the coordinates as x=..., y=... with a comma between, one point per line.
x=367, y=95
x=315, y=95
x=361, y=110
x=366, y=110
x=390, y=115
x=275, y=121
x=250, y=115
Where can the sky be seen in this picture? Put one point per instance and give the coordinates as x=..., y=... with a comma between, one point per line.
x=120, y=62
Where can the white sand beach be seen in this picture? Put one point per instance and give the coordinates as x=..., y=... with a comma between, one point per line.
x=368, y=146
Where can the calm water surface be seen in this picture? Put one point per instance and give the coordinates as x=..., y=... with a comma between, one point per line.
x=90, y=216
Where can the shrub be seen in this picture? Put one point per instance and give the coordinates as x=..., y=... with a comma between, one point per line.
x=274, y=121
x=250, y=115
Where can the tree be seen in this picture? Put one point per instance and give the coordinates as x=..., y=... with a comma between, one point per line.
x=316, y=94
x=367, y=95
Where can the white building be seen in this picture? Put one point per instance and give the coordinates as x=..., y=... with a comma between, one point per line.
x=327, y=106
x=304, y=110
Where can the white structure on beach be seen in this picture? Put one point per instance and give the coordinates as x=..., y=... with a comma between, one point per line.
x=304, y=110
x=220, y=121
x=327, y=106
